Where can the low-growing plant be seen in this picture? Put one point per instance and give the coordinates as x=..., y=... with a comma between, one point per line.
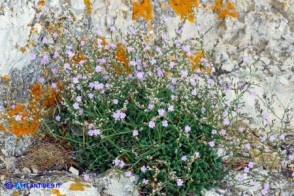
x=148, y=104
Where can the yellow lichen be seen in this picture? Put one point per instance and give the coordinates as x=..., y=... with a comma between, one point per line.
x=5, y=78
x=56, y=192
x=78, y=186
x=88, y=6
x=196, y=62
x=185, y=8
x=143, y=9
x=22, y=49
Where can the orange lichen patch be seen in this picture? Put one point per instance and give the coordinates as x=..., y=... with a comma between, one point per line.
x=196, y=62
x=121, y=56
x=41, y=3
x=143, y=9
x=36, y=90
x=78, y=57
x=230, y=5
x=224, y=9
x=56, y=192
x=185, y=8
x=5, y=78
x=31, y=115
x=88, y=6
x=22, y=49
x=83, y=38
x=78, y=186
x=25, y=125
x=218, y=5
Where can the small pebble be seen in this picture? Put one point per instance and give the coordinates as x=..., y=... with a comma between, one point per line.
x=74, y=171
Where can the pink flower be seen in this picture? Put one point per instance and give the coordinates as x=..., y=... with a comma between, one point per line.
x=226, y=122
x=45, y=59
x=140, y=75
x=130, y=49
x=184, y=158
x=90, y=95
x=174, y=80
x=194, y=92
x=211, y=143
x=90, y=132
x=180, y=182
x=98, y=69
x=250, y=164
x=179, y=31
x=57, y=118
x=150, y=106
x=135, y=133
x=32, y=56
x=145, y=181
x=143, y=169
x=151, y=124
x=187, y=128
x=223, y=132
x=161, y=112
x=240, y=178
x=153, y=61
x=41, y=80
x=265, y=116
x=172, y=64
x=240, y=129
x=246, y=169
x=78, y=98
x=70, y=53
x=184, y=73
x=76, y=106
x=54, y=85
x=118, y=115
x=86, y=178
x=213, y=131
x=66, y=66
x=96, y=132
x=128, y=173
x=115, y=101
x=263, y=192
x=171, y=108
x=121, y=164
x=186, y=48
x=18, y=117
x=116, y=162
x=164, y=123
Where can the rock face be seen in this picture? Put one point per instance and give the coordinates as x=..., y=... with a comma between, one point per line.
x=63, y=183
x=266, y=27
